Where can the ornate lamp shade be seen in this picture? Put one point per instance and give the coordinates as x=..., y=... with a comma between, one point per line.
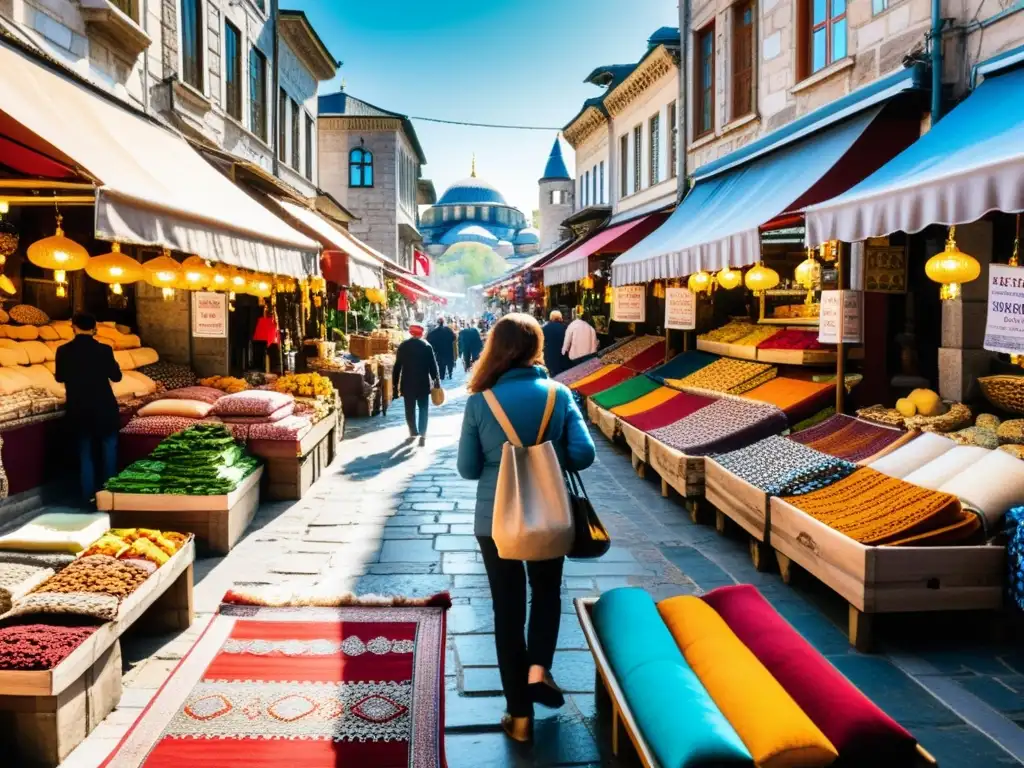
x=760, y=279
x=952, y=268
x=700, y=281
x=608, y=293
x=260, y=286
x=164, y=273
x=266, y=331
x=115, y=268
x=195, y=274
x=808, y=271
x=58, y=252
x=220, y=278
x=729, y=278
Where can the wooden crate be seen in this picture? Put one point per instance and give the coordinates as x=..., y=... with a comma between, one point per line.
x=217, y=522
x=714, y=347
x=742, y=351
x=887, y=579
x=45, y=714
x=636, y=439
x=591, y=411
x=677, y=470
x=745, y=504
x=293, y=466
x=806, y=356
x=607, y=422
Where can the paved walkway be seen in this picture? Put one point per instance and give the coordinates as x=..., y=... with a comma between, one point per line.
x=396, y=518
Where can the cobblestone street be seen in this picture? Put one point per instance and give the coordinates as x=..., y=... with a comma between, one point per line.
x=392, y=517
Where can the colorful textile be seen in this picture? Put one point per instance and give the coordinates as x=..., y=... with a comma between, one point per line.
x=602, y=371
x=1014, y=526
x=728, y=333
x=202, y=394
x=771, y=725
x=862, y=733
x=848, y=438
x=792, y=339
x=653, y=356
x=631, y=349
x=610, y=379
x=316, y=687
x=290, y=428
x=782, y=467
x=725, y=375
x=651, y=400
x=615, y=345
x=992, y=486
x=797, y=398
x=723, y=426
x=252, y=402
x=682, y=365
x=577, y=372
x=755, y=337
x=910, y=457
x=873, y=508
x=669, y=412
x=283, y=412
x=626, y=392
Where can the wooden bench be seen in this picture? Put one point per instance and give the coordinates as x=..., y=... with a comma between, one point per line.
x=292, y=466
x=218, y=522
x=45, y=714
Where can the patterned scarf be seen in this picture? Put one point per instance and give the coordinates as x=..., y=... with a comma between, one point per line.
x=780, y=467
x=724, y=425
x=1015, y=555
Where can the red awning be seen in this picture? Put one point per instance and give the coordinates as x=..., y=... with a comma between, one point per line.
x=575, y=265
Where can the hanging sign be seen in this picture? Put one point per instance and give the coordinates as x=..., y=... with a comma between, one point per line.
x=680, y=309
x=629, y=304
x=209, y=315
x=841, y=317
x=1004, y=325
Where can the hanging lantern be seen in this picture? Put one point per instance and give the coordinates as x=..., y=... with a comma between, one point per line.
x=7, y=286
x=238, y=280
x=163, y=272
x=260, y=286
x=729, y=278
x=9, y=236
x=829, y=251
x=760, y=279
x=952, y=268
x=196, y=273
x=700, y=281
x=220, y=278
x=587, y=283
x=115, y=268
x=808, y=271
x=60, y=254
x=608, y=293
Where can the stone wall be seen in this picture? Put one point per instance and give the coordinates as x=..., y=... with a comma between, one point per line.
x=166, y=326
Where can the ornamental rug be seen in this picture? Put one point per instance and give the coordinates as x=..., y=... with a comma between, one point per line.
x=631, y=349
x=669, y=412
x=350, y=686
x=852, y=439
x=617, y=375
x=580, y=370
x=722, y=426
x=651, y=357
x=626, y=392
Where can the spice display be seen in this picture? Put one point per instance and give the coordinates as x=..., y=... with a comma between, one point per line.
x=848, y=438
x=956, y=417
x=171, y=375
x=873, y=508
x=157, y=426
x=722, y=426
x=108, y=544
x=203, y=460
x=228, y=384
x=17, y=580
x=96, y=574
x=1016, y=451
x=682, y=365
x=28, y=315
x=620, y=355
x=759, y=334
x=304, y=385
x=727, y=375
x=988, y=421
x=976, y=436
x=728, y=333
x=39, y=646
x=792, y=339
x=1011, y=431
x=580, y=371
x=779, y=466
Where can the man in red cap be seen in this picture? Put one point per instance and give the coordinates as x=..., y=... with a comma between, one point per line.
x=414, y=374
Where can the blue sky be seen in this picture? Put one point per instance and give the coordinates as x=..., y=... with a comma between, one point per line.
x=493, y=61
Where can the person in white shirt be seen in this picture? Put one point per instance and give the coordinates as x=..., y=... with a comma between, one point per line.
x=580, y=339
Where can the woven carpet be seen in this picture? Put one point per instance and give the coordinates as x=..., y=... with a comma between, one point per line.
x=579, y=370
x=652, y=399
x=682, y=365
x=620, y=354
x=725, y=425
x=649, y=358
x=797, y=398
x=727, y=375
x=852, y=439
x=625, y=392
x=608, y=380
x=314, y=686
x=679, y=407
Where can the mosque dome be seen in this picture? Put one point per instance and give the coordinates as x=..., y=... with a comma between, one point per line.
x=472, y=191
x=528, y=236
x=505, y=249
x=469, y=233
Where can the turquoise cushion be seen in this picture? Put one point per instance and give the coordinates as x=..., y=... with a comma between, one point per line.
x=676, y=715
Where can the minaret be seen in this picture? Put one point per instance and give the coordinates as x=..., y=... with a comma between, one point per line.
x=472, y=171
x=556, y=193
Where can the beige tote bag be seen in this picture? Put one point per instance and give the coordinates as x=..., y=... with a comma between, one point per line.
x=532, y=514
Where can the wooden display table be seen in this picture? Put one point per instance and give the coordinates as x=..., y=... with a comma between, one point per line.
x=591, y=411
x=607, y=422
x=679, y=471
x=745, y=504
x=45, y=714
x=806, y=356
x=636, y=439
x=886, y=579
x=217, y=522
x=292, y=466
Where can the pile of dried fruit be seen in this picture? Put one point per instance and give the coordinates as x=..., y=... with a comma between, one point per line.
x=96, y=574
x=39, y=646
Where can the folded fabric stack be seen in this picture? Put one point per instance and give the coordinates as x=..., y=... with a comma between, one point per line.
x=605, y=378
x=579, y=371
x=198, y=393
x=254, y=406
x=672, y=410
x=649, y=358
x=724, y=425
x=853, y=439
x=781, y=467
x=730, y=332
x=626, y=392
x=792, y=339
x=650, y=401
x=797, y=398
x=910, y=457
x=727, y=375
x=682, y=365
x=724, y=680
x=620, y=355
x=203, y=460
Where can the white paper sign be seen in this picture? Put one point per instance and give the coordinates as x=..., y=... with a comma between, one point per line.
x=680, y=309
x=841, y=317
x=209, y=315
x=629, y=305
x=1004, y=325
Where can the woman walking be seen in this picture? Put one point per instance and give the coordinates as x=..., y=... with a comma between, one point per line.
x=510, y=368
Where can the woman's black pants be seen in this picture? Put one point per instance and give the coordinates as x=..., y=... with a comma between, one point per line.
x=516, y=653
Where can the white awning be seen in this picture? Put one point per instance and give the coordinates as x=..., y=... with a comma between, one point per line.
x=154, y=188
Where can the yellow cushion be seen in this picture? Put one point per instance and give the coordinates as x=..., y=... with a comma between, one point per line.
x=105, y=340
x=127, y=341
x=23, y=332
x=593, y=377
x=48, y=333
x=51, y=366
x=54, y=345
x=6, y=343
x=42, y=378
x=104, y=331
x=193, y=409
x=37, y=352
x=57, y=532
x=65, y=331
x=141, y=382
x=646, y=403
x=12, y=380
x=144, y=356
x=771, y=725
x=13, y=357
x=124, y=360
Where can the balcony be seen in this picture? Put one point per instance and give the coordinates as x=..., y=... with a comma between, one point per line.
x=119, y=21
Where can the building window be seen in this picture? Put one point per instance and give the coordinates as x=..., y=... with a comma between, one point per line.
x=877, y=6
x=129, y=8
x=638, y=156
x=192, y=43
x=232, y=70
x=654, y=136
x=743, y=59
x=258, y=93
x=282, y=126
x=470, y=211
x=485, y=213
x=444, y=214
x=295, y=121
x=460, y=212
x=310, y=149
x=558, y=197
x=600, y=184
x=593, y=186
x=673, y=142
x=624, y=165
x=360, y=168
x=704, y=83
x=587, y=196
x=824, y=34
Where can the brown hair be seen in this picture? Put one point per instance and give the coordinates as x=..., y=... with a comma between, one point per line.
x=515, y=341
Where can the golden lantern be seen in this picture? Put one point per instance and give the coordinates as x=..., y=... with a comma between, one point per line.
x=808, y=271
x=6, y=285
x=58, y=252
x=729, y=278
x=952, y=268
x=700, y=281
x=164, y=273
x=587, y=283
x=115, y=268
x=220, y=278
x=829, y=251
x=196, y=274
x=608, y=293
x=760, y=279
x=260, y=286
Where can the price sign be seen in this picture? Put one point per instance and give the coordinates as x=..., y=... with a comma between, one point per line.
x=209, y=315
x=841, y=318
x=629, y=305
x=1004, y=325
x=680, y=309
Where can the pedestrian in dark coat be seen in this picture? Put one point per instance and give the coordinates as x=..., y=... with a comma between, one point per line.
x=415, y=373
x=442, y=339
x=471, y=344
x=86, y=367
x=554, y=337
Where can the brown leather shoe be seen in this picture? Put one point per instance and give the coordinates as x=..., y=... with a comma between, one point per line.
x=517, y=728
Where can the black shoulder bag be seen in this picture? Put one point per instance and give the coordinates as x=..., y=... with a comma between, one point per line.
x=591, y=539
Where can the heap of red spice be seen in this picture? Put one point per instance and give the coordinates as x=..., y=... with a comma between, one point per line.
x=39, y=646
x=792, y=339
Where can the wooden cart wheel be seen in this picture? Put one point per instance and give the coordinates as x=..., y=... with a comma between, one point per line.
x=785, y=567
x=758, y=555
x=861, y=629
